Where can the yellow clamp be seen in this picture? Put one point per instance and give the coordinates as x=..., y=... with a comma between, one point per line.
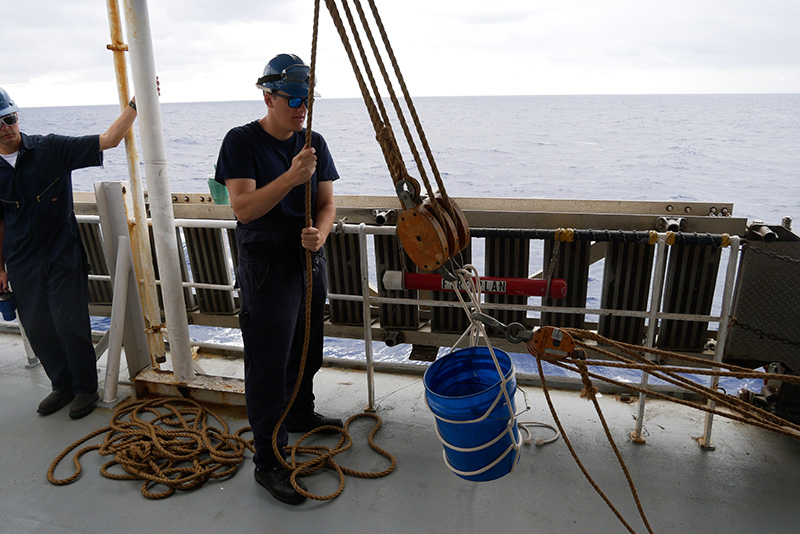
x=653, y=238
x=670, y=238
x=726, y=241
x=565, y=234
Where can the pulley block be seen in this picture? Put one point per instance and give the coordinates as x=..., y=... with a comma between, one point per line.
x=423, y=238
x=459, y=220
x=553, y=342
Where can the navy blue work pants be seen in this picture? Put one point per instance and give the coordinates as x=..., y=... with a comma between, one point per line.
x=53, y=305
x=272, y=284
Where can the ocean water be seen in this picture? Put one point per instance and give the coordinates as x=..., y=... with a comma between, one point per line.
x=719, y=148
x=727, y=148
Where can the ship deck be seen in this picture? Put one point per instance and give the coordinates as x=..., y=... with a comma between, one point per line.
x=747, y=484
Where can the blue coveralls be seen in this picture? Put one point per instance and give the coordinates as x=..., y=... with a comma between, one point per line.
x=45, y=260
x=272, y=279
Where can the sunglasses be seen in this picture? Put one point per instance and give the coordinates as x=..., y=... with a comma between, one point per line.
x=11, y=120
x=293, y=101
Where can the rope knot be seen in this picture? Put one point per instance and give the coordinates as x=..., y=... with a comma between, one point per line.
x=589, y=390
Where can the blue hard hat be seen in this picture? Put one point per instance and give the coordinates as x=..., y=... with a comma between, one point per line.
x=7, y=106
x=286, y=73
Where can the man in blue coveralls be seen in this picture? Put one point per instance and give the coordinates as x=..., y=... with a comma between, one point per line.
x=265, y=167
x=41, y=254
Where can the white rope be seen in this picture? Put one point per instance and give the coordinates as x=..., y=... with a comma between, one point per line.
x=462, y=422
x=477, y=448
x=515, y=446
x=539, y=441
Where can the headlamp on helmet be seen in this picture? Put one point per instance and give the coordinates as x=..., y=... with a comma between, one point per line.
x=286, y=73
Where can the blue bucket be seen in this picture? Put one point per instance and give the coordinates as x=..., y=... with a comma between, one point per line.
x=8, y=306
x=460, y=389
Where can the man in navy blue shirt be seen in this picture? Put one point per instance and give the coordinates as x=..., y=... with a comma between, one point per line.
x=41, y=254
x=265, y=166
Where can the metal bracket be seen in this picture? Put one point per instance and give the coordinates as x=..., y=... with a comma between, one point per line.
x=514, y=332
x=670, y=224
x=407, y=193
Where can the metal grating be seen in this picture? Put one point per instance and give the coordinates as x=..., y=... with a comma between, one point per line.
x=573, y=266
x=100, y=291
x=450, y=320
x=508, y=258
x=388, y=258
x=191, y=302
x=206, y=251
x=344, y=277
x=626, y=286
x=689, y=288
x=234, y=249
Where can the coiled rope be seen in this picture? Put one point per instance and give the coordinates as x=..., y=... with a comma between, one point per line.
x=165, y=441
x=171, y=442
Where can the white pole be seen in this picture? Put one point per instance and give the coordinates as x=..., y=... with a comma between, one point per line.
x=652, y=326
x=155, y=166
x=362, y=241
x=121, y=277
x=33, y=361
x=722, y=335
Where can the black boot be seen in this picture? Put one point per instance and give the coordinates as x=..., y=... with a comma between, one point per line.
x=276, y=480
x=83, y=405
x=54, y=402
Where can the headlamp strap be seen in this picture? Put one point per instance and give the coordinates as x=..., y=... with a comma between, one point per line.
x=269, y=78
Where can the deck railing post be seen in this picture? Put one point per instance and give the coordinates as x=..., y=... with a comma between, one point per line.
x=32, y=360
x=155, y=165
x=722, y=334
x=652, y=327
x=365, y=294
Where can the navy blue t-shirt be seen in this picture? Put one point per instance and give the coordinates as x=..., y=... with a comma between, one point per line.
x=250, y=152
x=36, y=195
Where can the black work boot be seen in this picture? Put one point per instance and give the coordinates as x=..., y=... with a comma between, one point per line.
x=309, y=422
x=54, y=402
x=83, y=405
x=276, y=480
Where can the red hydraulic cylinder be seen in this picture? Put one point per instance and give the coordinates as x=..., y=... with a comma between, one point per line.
x=489, y=284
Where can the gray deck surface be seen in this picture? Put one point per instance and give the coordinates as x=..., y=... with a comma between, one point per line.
x=748, y=484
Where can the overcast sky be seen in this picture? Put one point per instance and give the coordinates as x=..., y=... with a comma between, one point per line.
x=54, y=52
